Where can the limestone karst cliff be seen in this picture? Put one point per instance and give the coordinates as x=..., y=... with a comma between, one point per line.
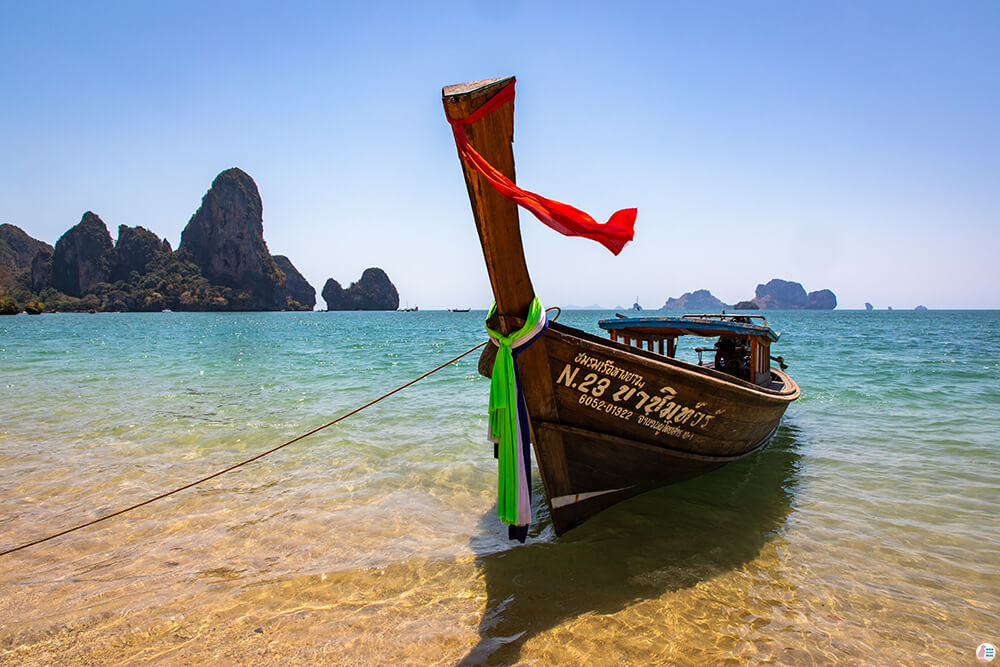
x=373, y=291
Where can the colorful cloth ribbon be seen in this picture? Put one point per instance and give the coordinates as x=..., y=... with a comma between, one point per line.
x=563, y=218
x=508, y=426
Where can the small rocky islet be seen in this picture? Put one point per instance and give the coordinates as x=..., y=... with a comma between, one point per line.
x=221, y=264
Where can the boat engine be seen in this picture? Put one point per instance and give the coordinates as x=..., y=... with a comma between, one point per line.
x=732, y=356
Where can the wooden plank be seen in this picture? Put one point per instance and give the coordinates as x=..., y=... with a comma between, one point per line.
x=462, y=92
x=615, y=443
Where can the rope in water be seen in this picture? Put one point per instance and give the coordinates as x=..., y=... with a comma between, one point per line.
x=241, y=463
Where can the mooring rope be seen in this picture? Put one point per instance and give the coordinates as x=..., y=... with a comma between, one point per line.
x=241, y=463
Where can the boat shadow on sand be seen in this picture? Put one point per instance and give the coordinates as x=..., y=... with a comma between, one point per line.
x=662, y=541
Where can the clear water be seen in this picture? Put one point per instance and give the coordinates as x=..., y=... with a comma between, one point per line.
x=866, y=533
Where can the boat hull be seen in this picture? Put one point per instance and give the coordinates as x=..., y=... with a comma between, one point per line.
x=622, y=421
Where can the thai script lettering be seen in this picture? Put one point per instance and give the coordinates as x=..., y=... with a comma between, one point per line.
x=661, y=427
x=607, y=367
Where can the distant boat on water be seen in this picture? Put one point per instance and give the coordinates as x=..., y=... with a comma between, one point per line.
x=409, y=310
x=459, y=310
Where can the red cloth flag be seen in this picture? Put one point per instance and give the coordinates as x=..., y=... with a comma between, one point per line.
x=563, y=218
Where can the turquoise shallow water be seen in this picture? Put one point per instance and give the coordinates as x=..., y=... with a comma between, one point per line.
x=867, y=532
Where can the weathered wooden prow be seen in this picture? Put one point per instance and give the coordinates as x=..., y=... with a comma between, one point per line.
x=496, y=216
x=500, y=235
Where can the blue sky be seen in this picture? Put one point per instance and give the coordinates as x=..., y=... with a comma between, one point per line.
x=853, y=146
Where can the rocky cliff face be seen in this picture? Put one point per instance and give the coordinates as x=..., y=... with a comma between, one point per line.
x=789, y=295
x=699, y=300
x=136, y=251
x=225, y=239
x=297, y=286
x=82, y=257
x=780, y=294
x=333, y=294
x=374, y=291
x=17, y=253
x=822, y=299
x=41, y=270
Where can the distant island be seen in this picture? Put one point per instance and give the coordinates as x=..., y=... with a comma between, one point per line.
x=221, y=264
x=777, y=294
x=374, y=291
x=699, y=300
x=869, y=306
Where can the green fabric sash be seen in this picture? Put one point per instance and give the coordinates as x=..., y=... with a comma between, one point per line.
x=503, y=426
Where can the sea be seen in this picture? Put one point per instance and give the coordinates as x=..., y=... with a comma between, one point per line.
x=866, y=533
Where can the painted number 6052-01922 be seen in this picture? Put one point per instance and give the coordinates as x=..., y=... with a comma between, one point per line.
x=610, y=408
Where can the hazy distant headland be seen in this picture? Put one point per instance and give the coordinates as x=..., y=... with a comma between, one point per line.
x=221, y=264
x=777, y=294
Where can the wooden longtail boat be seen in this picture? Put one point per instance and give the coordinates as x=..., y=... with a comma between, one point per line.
x=612, y=418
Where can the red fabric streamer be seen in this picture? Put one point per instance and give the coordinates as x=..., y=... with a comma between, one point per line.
x=563, y=218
